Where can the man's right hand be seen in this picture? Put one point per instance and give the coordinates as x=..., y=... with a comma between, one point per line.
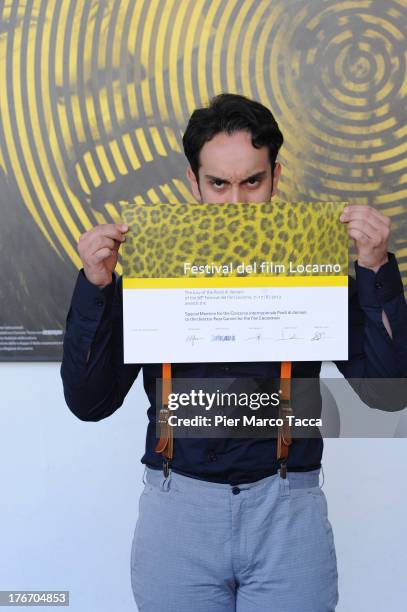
x=98, y=249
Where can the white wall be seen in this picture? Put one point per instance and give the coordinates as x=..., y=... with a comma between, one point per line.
x=69, y=500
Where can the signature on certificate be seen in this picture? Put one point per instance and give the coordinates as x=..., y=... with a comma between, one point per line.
x=289, y=334
x=320, y=335
x=192, y=339
x=258, y=338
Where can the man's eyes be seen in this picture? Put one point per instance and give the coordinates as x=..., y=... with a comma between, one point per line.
x=217, y=183
x=252, y=182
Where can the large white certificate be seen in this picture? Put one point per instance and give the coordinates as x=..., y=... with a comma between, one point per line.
x=235, y=282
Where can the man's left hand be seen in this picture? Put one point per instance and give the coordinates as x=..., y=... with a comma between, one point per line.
x=370, y=230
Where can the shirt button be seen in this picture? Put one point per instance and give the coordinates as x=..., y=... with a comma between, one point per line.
x=99, y=303
x=378, y=285
x=212, y=456
x=235, y=490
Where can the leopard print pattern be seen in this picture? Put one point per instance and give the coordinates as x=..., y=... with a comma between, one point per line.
x=163, y=236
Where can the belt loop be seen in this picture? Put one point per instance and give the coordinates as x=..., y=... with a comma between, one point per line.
x=323, y=477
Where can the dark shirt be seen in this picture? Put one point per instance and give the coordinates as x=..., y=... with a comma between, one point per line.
x=96, y=380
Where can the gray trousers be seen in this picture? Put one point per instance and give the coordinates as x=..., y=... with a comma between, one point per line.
x=266, y=546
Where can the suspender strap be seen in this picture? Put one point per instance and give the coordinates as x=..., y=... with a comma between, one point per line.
x=165, y=444
x=284, y=433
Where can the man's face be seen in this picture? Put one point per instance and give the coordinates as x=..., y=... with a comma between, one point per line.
x=232, y=170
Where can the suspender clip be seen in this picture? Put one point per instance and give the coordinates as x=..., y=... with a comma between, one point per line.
x=166, y=468
x=283, y=469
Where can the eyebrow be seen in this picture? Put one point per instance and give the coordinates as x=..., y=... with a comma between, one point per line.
x=257, y=175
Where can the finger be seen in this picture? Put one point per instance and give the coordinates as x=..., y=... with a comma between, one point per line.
x=378, y=232
x=111, y=230
x=100, y=242
x=359, y=236
x=373, y=224
x=375, y=238
x=122, y=226
x=93, y=240
x=102, y=254
x=365, y=227
x=97, y=241
x=114, y=231
x=369, y=212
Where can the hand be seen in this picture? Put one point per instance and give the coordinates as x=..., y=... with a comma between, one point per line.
x=98, y=249
x=370, y=230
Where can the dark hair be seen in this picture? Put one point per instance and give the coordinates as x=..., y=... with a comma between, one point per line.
x=231, y=113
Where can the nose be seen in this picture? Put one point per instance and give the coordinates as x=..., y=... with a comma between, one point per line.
x=237, y=194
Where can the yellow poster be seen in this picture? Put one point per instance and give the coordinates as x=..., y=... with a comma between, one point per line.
x=95, y=96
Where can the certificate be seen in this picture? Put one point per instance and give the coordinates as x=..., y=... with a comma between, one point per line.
x=235, y=282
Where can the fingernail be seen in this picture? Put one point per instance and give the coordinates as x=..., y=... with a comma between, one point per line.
x=124, y=228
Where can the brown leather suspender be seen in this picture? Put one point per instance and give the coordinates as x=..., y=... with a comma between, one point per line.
x=284, y=431
x=165, y=444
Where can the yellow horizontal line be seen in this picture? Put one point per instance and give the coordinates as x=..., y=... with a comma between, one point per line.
x=234, y=281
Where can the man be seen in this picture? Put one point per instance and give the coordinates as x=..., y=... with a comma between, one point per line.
x=224, y=530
